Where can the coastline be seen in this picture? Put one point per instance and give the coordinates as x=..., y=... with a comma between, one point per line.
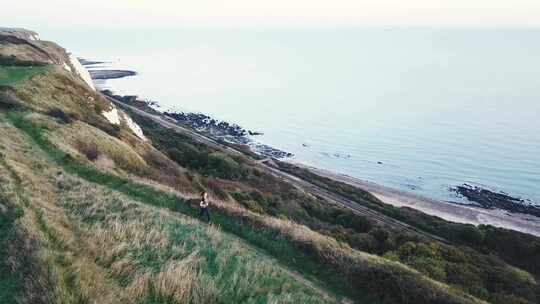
x=460, y=213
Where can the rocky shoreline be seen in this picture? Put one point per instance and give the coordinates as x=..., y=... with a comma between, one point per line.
x=206, y=123
x=489, y=199
x=219, y=130
x=235, y=134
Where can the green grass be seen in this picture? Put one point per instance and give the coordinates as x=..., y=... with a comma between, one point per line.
x=192, y=237
x=11, y=283
x=364, y=281
x=271, y=242
x=13, y=74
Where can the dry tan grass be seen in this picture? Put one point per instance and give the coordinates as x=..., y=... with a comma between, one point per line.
x=35, y=176
x=41, y=51
x=60, y=89
x=132, y=227
x=177, y=280
x=123, y=227
x=67, y=138
x=338, y=254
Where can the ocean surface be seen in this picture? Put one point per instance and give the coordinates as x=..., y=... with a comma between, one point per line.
x=421, y=110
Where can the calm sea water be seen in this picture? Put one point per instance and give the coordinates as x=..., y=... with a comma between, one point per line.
x=416, y=109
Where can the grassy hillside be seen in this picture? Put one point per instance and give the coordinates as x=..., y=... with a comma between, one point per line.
x=98, y=245
x=90, y=213
x=11, y=74
x=478, y=260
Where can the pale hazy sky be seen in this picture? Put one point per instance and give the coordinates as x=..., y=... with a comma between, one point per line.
x=252, y=13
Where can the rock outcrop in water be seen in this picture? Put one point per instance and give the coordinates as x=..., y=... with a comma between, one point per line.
x=111, y=74
x=489, y=199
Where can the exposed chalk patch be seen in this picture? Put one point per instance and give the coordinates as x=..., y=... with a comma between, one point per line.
x=67, y=67
x=112, y=116
x=135, y=128
x=81, y=71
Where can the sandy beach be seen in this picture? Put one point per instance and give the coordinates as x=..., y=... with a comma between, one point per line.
x=448, y=211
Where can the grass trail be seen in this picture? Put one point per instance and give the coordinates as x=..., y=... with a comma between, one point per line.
x=267, y=242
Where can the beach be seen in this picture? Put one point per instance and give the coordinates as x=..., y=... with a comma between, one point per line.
x=453, y=212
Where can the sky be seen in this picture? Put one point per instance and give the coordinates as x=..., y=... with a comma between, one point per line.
x=269, y=13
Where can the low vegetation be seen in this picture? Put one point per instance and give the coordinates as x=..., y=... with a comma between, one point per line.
x=518, y=249
x=105, y=247
x=466, y=265
x=293, y=245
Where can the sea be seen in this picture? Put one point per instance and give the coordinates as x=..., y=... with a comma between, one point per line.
x=417, y=109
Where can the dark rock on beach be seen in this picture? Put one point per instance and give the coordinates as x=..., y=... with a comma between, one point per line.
x=490, y=200
x=226, y=131
x=209, y=124
x=222, y=131
x=269, y=151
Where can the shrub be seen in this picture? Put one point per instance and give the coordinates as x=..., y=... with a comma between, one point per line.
x=223, y=166
x=99, y=107
x=188, y=156
x=215, y=187
x=63, y=116
x=8, y=100
x=103, y=125
x=434, y=268
x=89, y=150
x=364, y=241
x=501, y=298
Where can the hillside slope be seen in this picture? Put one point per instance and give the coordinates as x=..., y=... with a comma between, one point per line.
x=101, y=203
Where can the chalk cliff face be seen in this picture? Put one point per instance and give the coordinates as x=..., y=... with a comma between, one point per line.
x=25, y=45
x=80, y=70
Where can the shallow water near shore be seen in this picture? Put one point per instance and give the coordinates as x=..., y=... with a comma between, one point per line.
x=420, y=110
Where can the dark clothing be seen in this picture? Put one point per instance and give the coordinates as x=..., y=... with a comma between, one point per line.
x=204, y=211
